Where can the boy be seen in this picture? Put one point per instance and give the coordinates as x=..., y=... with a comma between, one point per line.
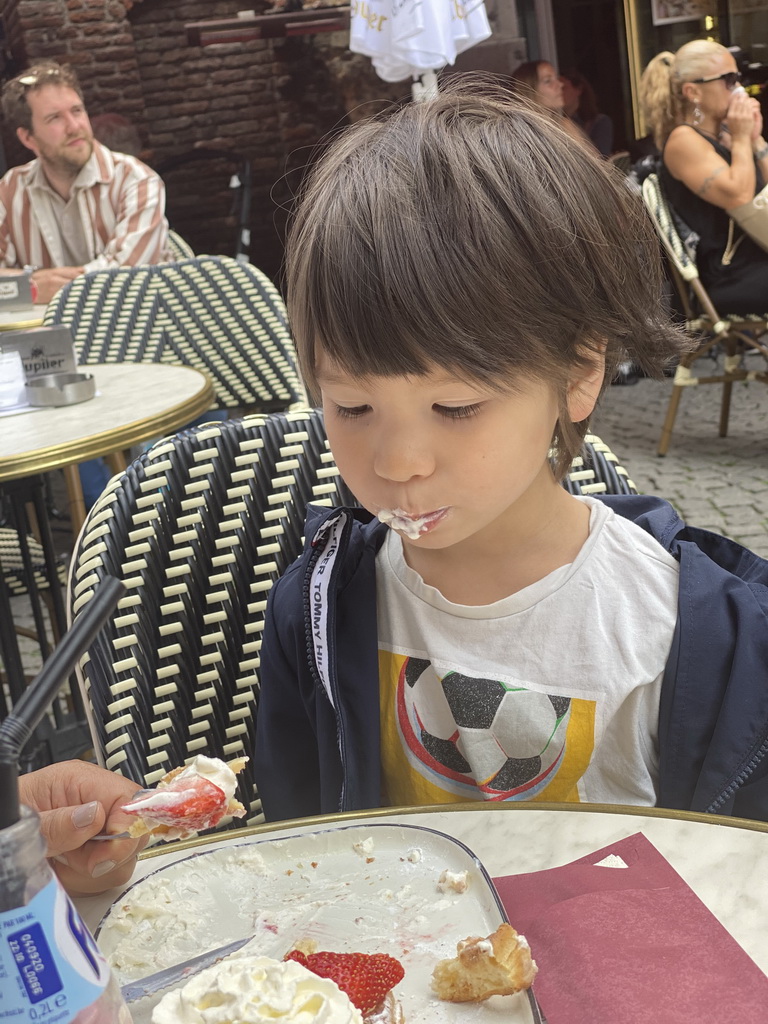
x=463, y=279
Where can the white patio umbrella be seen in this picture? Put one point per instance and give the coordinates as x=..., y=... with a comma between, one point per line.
x=415, y=38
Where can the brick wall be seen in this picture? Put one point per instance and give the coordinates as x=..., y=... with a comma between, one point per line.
x=272, y=101
x=268, y=100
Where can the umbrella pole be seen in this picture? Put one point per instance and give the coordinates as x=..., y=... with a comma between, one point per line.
x=425, y=87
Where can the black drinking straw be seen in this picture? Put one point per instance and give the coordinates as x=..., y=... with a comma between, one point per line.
x=24, y=717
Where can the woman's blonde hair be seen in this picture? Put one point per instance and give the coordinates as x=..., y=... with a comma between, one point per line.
x=661, y=85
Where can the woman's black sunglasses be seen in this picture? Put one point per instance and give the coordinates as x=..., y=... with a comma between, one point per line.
x=731, y=79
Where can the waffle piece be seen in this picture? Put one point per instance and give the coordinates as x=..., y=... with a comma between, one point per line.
x=498, y=965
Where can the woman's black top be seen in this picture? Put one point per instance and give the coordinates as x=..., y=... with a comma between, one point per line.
x=741, y=287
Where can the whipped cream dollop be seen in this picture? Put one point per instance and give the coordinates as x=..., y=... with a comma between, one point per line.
x=398, y=519
x=210, y=768
x=257, y=990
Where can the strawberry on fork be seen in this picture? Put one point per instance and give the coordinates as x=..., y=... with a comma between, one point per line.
x=188, y=799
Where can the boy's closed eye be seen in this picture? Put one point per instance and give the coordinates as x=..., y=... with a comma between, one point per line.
x=451, y=412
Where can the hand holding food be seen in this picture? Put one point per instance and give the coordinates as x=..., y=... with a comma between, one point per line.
x=188, y=799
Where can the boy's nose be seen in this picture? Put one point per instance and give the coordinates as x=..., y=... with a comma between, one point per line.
x=400, y=458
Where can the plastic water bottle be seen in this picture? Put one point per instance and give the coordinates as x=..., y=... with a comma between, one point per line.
x=51, y=971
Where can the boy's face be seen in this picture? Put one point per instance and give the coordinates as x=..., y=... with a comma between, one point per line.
x=462, y=460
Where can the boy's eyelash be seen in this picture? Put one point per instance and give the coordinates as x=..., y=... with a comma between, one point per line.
x=458, y=412
x=346, y=413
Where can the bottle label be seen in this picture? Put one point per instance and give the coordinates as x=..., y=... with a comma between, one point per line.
x=50, y=967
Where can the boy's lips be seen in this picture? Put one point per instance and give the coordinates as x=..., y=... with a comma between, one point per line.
x=413, y=525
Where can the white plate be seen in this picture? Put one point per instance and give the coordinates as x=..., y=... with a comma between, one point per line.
x=365, y=888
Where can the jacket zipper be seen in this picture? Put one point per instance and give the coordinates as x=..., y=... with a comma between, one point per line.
x=317, y=549
x=739, y=781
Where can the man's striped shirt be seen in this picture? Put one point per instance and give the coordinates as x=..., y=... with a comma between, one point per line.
x=120, y=203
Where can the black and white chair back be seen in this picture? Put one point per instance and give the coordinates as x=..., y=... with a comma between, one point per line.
x=210, y=312
x=180, y=249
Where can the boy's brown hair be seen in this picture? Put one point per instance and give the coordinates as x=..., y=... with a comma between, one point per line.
x=471, y=233
x=16, y=111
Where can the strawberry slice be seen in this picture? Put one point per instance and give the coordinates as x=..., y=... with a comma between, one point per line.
x=365, y=977
x=192, y=804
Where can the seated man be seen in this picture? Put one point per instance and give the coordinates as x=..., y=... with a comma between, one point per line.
x=78, y=206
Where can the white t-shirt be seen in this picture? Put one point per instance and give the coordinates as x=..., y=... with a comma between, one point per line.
x=549, y=694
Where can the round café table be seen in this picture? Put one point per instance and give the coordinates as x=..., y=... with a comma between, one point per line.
x=720, y=859
x=22, y=319
x=134, y=402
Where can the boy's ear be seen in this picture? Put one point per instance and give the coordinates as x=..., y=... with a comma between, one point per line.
x=585, y=386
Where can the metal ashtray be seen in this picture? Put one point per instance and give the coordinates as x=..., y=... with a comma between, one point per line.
x=61, y=389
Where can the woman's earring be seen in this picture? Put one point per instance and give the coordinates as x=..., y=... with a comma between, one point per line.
x=698, y=117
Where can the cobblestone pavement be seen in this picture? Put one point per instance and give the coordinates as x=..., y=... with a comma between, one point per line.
x=718, y=483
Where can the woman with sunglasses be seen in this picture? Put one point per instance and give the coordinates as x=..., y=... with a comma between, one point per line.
x=713, y=159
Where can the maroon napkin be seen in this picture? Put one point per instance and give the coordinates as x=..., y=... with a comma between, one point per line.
x=631, y=945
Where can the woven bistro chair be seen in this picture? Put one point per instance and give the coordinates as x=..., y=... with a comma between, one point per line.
x=180, y=249
x=23, y=573
x=199, y=528
x=730, y=334
x=210, y=312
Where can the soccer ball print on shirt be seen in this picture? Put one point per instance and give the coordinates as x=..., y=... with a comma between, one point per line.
x=483, y=738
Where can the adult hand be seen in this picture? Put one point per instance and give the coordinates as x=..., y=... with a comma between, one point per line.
x=757, y=123
x=740, y=117
x=77, y=800
x=48, y=281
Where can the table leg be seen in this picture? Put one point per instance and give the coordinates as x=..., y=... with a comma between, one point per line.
x=76, y=501
x=116, y=462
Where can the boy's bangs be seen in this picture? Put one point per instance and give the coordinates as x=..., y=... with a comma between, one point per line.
x=376, y=324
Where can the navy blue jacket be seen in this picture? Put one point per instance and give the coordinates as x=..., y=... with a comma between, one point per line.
x=317, y=735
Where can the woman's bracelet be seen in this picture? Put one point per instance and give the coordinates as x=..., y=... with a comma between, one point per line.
x=762, y=153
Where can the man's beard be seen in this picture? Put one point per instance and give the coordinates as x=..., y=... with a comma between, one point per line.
x=66, y=163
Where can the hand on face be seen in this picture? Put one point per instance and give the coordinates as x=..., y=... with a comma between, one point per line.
x=740, y=117
x=77, y=800
x=757, y=119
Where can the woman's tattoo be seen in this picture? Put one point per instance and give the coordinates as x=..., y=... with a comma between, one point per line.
x=708, y=181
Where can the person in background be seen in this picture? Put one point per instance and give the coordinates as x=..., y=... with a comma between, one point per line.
x=714, y=158
x=117, y=133
x=537, y=80
x=77, y=206
x=580, y=104
x=77, y=800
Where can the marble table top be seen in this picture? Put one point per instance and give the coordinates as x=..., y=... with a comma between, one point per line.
x=134, y=402
x=22, y=319
x=723, y=862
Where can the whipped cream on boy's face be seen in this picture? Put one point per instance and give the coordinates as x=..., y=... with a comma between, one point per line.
x=412, y=526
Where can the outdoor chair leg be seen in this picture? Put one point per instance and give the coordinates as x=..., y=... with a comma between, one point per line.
x=669, y=422
x=725, y=407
